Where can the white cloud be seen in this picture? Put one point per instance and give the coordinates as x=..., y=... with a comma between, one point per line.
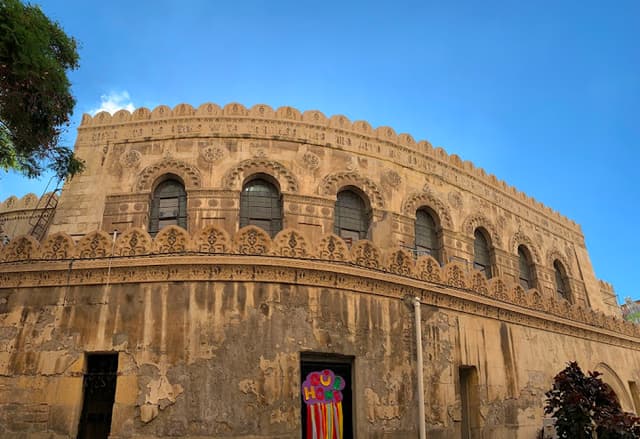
x=113, y=102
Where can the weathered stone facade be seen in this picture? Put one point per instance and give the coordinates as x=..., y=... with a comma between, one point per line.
x=210, y=323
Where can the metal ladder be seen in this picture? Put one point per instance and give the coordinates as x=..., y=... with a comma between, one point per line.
x=40, y=222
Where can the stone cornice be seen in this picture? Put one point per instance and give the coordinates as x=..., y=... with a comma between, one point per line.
x=270, y=269
x=251, y=255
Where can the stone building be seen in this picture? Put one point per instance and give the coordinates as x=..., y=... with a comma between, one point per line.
x=209, y=259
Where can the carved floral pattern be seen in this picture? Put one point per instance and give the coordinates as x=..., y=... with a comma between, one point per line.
x=479, y=283
x=133, y=242
x=252, y=240
x=212, y=240
x=291, y=244
x=131, y=159
x=311, y=161
x=454, y=275
x=427, y=268
x=172, y=239
x=211, y=154
x=57, y=246
x=22, y=248
x=366, y=254
x=421, y=199
x=189, y=174
x=96, y=244
x=333, y=248
x=401, y=262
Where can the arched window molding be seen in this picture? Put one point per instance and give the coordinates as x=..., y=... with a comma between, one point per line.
x=261, y=204
x=352, y=215
x=427, y=241
x=168, y=204
x=482, y=252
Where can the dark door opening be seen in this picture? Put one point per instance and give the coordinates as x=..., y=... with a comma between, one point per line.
x=99, y=390
x=327, y=384
x=469, y=400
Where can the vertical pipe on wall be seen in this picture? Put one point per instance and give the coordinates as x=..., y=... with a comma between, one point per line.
x=419, y=367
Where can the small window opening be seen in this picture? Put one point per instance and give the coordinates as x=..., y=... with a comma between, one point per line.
x=481, y=255
x=562, y=287
x=426, y=235
x=351, y=217
x=261, y=205
x=168, y=206
x=99, y=390
x=524, y=263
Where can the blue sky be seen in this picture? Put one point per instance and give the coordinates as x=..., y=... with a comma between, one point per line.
x=544, y=94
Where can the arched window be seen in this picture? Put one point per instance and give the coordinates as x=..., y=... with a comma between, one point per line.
x=168, y=206
x=524, y=263
x=261, y=205
x=426, y=234
x=562, y=286
x=481, y=253
x=351, y=217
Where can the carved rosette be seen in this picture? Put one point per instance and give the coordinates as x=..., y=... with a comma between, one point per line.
x=365, y=254
x=212, y=240
x=310, y=161
x=427, y=268
x=131, y=159
x=134, y=242
x=211, y=154
x=252, y=240
x=392, y=178
x=172, y=239
x=290, y=243
x=333, y=248
x=57, y=246
x=96, y=244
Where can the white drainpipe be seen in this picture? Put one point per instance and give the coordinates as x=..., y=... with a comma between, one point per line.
x=419, y=367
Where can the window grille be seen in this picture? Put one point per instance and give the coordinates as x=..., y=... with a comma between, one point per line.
x=562, y=287
x=168, y=206
x=426, y=235
x=524, y=263
x=351, y=218
x=481, y=255
x=261, y=205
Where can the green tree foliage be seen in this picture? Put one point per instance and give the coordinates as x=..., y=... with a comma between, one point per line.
x=585, y=407
x=35, y=98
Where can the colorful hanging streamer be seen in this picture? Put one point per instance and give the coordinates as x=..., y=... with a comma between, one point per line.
x=322, y=393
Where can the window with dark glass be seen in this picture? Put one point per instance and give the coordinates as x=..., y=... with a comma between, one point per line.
x=261, y=205
x=351, y=218
x=562, y=287
x=426, y=235
x=524, y=262
x=168, y=206
x=481, y=254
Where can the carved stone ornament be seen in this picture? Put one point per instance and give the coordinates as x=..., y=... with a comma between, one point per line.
x=211, y=154
x=252, y=240
x=57, y=246
x=133, y=242
x=392, y=178
x=366, y=254
x=96, y=244
x=212, y=240
x=401, y=262
x=427, y=268
x=290, y=243
x=333, y=248
x=311, y=161
x=455, y=200
x=131, y=159
x=172, y=239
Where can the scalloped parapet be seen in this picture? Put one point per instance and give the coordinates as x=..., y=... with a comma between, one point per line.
x=28, y=202
x=402, y=141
